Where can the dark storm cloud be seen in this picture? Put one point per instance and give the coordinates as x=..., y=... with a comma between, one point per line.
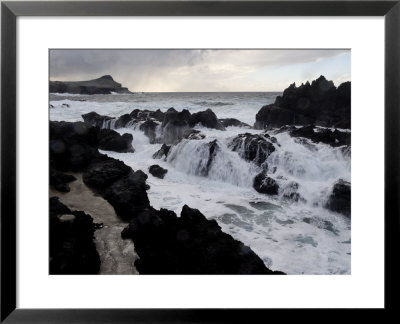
x=192, y=70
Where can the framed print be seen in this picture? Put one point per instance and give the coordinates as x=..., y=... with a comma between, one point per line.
x=204, y=146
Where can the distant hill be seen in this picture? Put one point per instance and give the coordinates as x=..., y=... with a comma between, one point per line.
x=103, y=85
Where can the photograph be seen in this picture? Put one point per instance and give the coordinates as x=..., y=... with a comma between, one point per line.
x=199, y=161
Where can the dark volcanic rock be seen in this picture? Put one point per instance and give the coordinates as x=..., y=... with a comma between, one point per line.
x=94, y=119
x=149, y=128
x=227, y=122
x=174, y=125
x=122, y=121
x=104, y=171
x=340, y=199
x=59, y=180
x=190, y=244
x=214, y=148
x=72, y=250
x=110, y=140
x=72, y=145
x=253, y=147
x=206, y=118
x=264, y=184
x=162, y=152
x=128, y=195
x=273, y=116
x=103, y=85
x=333, y=138
x=318, y=103
x=158, y=171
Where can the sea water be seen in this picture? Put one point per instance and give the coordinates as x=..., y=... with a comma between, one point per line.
x=295, y=237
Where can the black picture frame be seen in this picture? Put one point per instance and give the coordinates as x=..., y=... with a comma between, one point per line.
x=11, y=10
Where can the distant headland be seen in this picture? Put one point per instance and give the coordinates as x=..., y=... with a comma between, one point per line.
x=102, y=85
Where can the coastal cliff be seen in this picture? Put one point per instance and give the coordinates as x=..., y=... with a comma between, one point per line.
x=102, y=85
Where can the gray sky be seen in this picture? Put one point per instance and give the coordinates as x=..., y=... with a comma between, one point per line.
x=201, y=70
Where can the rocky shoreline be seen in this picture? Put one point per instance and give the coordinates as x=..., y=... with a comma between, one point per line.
x=189, y=244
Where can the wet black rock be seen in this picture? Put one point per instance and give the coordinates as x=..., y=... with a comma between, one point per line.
x=59, y=180
x=110, y=140
x=103, y=171
x=213, y=148
x=174, y=125
x=253, y=147
x=227, y=122
x=321, y=135
x=122, y=121
x=94, y=119
x=102, y=85
x=72, y=249
x=149, y=128
x=128, y=195
x=158, y=171
x=72, y=145
x=206, y=118
x=266, y=185
x=340, y=198
x=319, y=103
x=190, y=244
x=273, y=116
x=162, y=152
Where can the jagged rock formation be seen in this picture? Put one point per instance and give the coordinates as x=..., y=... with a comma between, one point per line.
x=189, y=244
x=253, y=147
x=319, y=103
x=102, y=85
x=166, y=244
x=167, y=128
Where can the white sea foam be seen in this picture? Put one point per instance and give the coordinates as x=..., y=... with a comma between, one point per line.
x=295, y=237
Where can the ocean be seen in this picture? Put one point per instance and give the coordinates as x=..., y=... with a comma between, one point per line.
x=299, y=237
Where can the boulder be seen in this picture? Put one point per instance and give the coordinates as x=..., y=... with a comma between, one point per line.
x=158, y=171
x=174, y=125
x=94, y=119
x=103, y=171
x=122, y=121
x=253, y=147
x=72, y=249
x=340, y=198
x=206, y=118
x=162, y=152
x=190, y=244
x=110, y=140
x=266, y=185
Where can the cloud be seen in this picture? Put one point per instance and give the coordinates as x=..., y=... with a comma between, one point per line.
x=190, y=70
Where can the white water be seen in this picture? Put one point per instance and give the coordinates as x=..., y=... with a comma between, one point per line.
x=296, y=238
